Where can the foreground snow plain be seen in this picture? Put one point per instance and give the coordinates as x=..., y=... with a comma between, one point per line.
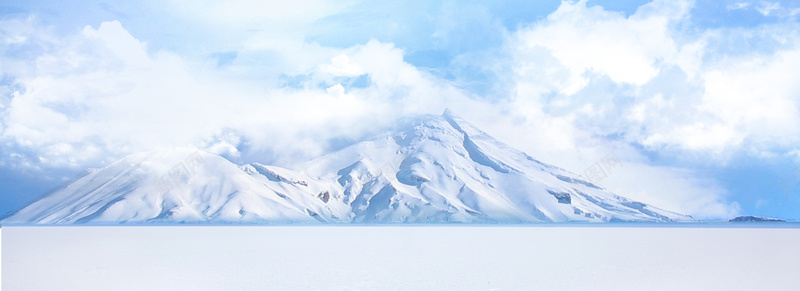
x=417, y=257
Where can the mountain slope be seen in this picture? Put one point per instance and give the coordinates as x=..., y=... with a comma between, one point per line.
x=442, y=169
x=428, y=169
x=172, y=185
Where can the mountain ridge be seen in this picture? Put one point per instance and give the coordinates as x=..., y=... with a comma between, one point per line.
x=430, y=168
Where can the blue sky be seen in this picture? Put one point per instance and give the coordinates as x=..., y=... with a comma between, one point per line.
x=699, y=99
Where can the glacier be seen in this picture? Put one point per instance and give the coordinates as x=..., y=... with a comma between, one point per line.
x=427, y=169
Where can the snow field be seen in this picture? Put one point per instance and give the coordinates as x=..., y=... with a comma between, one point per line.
x=400, y=258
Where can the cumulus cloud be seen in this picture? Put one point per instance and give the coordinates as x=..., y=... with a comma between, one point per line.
x=589, y=81
x=766, y=8
x=738, y=5
x=341, y=66
x=101, y=94
x=643, y=76
x=589, y=40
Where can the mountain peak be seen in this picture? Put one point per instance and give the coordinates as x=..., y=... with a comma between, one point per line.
x=442, y=168
x=429, y=169
x=448, y=113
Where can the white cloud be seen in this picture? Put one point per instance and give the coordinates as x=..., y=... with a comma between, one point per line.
x=120, y=42
x=766, y=8
x=665, y=87
x=646, y=80
x=673, y=189
x=758, y=97
x=341, y=66
x=100, y=94
x=592, y=40
x=738, y=5
x=99, y=90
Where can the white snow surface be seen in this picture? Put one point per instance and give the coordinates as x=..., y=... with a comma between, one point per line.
x=428, y=169
x=349, y=257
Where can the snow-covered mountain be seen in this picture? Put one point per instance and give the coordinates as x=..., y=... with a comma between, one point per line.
x=443, y=169
x=180, y=184
x=429, y=169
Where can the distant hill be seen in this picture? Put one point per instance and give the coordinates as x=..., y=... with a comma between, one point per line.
x=755, y=219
